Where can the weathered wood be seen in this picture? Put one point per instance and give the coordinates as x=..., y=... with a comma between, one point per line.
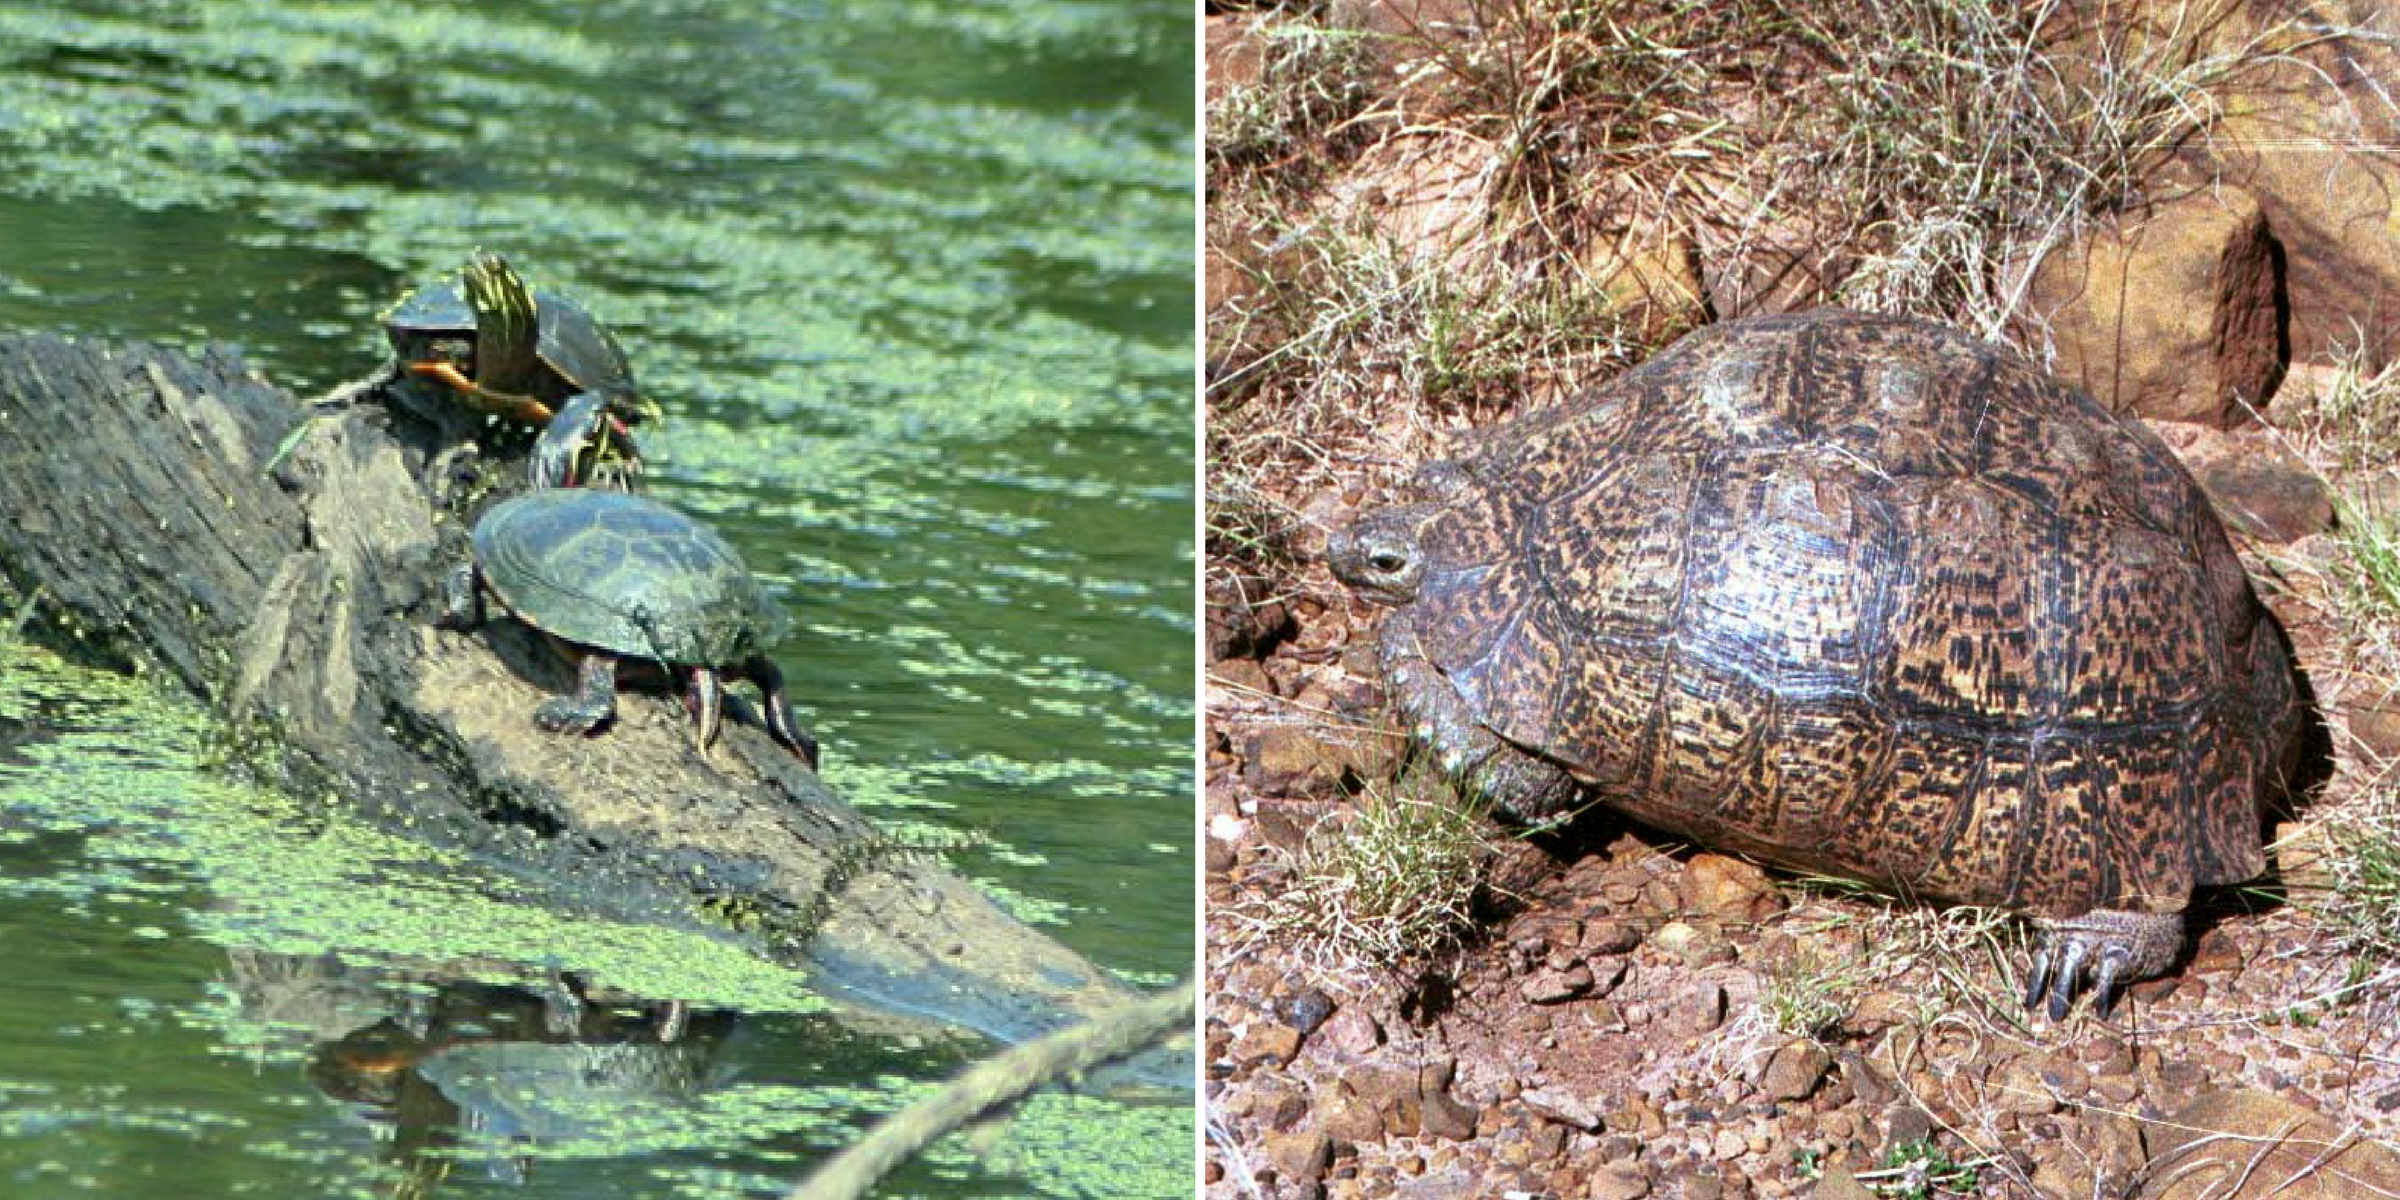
x=141, y=513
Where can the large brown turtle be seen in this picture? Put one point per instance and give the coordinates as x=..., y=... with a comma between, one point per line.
x=1859, y=595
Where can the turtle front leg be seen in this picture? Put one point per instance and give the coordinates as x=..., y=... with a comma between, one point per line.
x=777, y=709
x=585, y=445
x=462, y=598
x=2111, y=946
x=592, y=703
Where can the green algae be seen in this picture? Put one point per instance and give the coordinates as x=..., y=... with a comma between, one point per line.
x=286, y=878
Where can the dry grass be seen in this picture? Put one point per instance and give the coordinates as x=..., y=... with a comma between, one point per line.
x=1394, y=885
x=1918, y=157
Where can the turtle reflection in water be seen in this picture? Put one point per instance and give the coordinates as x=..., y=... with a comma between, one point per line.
x=1859, y=595
x=614, y=575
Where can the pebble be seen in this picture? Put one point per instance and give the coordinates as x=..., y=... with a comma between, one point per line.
x=1562, y=1106
x=1267, y=1040
x=1306, y=1010
x=1794, y=1070
x=1697, y=1009
x=1351, y=1031
x=1608, y=935
x=1556, y=987
x=1300, y=1156
x=1619, y=1183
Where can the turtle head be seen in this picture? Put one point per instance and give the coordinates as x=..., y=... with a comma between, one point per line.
x=1382, y=556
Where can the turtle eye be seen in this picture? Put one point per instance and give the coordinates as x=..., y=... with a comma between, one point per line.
x=1387, y=561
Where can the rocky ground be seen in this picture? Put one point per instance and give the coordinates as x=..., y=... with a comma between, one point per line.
x=1626, y=1016
x=1611, y=1032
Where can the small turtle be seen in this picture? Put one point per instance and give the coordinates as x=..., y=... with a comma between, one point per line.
x=611, y=575
x=468, y=334
x=1859, y=595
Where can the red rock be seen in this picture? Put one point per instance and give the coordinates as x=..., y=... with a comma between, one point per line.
x=1300, y=1156
x=1556, y=987
x=1343, y=1114
x=1728, y=889
x=1792, y=1073
x=1351, y=1031
x=1619, y=1183
x=1267, y=1040
x=2170, y=311
x=1562, y=1105
x=1608, y=935
x=2312, y=1159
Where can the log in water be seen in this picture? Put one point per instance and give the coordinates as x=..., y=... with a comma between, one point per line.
x=151, y=525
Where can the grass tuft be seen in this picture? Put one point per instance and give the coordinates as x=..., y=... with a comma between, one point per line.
x=1395, y=884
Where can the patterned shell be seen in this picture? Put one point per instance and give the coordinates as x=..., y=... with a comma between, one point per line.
x=623, y=573
x=1859, y=595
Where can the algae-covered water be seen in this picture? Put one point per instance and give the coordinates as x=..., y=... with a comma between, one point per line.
x=913, y=282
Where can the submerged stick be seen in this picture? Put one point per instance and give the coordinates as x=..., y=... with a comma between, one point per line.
x=998, y=1080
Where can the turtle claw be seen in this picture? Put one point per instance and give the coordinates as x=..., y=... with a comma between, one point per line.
x=2099, y=953
x=2104, y=983
x=2070, y=974
x=2037, y=975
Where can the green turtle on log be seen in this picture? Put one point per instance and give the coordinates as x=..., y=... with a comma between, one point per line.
x=1859, y=595
x=613, y=575
x=502, y=348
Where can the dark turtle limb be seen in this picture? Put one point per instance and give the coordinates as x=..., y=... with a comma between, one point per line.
x=704, y=696
x=590, y=705
x=507, y=329
x=777, y=709
x=462, y=598
x=2112, y=947
x=586, y=444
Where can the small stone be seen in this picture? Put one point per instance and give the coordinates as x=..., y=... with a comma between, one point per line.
x=2377, y=727
x=1697, y=945
x=1727, y=889
x=1794, y=1070
x=1343, y=1114
x=1697, y=1009
x=1306, y=1010
x=1556, y=987
x=1868, y=1083
x=2272, y=498
x=1561, y=1105
x=1218, y=856
x=1730, y=1144
x=1904, y=1123
x=1351, y=1031
x=1607, y=973
x=1619, y=1183
x=1300, y=1156
x=2017, y=1087
x=1267, y=1040
x=1241, y=675
x=1608, y=935
x=1445, y=1117
x=1392, y=1094
x=1881, y=1009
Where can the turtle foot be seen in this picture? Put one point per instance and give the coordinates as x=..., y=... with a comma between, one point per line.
x=569, y=714
x=2106, y=948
